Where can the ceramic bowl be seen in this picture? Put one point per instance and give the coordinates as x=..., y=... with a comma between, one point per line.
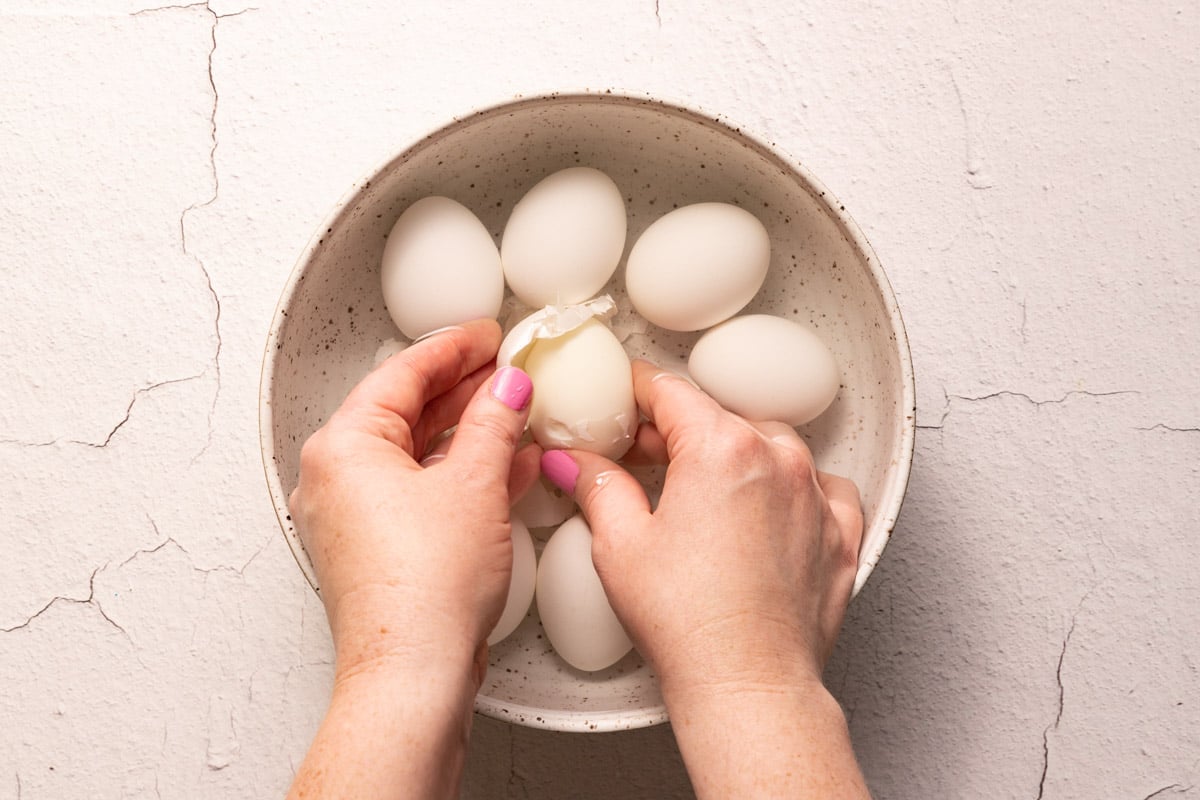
x=331, y=320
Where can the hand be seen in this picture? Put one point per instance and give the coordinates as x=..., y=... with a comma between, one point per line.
x=413, y=563
x=744, y=570
x=733, y=589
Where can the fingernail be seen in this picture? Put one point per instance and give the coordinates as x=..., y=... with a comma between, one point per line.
x=437, y=331
x=560, y=469
x=512, y=387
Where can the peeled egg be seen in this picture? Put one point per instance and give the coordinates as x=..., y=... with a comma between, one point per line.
x=575, y=612
x=582, y=391
x=697, y=266
x=564, y=238
x=766, y=368
x=440, y=268
x=520, y=585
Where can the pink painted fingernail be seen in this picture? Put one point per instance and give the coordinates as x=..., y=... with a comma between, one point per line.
x=512, y=387
x=561, y=469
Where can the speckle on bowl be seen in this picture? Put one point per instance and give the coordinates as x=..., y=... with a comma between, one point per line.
x=331, y=321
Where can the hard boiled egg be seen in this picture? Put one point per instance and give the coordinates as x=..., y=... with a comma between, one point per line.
x=440, y=268
x=520, y=586
x=582, y=391
x=697, y=266
x=574, y=609
x=766, y=368
x=564, y=238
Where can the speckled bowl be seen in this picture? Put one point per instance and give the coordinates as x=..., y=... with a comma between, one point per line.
x=331, y=320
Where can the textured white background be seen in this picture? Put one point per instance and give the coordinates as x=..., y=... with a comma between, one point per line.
x=1029, y=175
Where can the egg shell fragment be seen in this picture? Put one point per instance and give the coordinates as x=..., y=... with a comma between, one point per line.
x=697, y=266
x=575, y=612
x=564, y=238
x=440, y=267
x=766, y=368
x=521, y=584
x=582, y=392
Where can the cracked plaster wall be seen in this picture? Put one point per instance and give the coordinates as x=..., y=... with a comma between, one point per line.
x=1029, y=176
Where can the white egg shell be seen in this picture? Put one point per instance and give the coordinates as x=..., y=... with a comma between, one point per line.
x=575, y=612
x=440, y=268
x=543, y=506
x=520, y=586
x=564, y=238
x=582, y=392
x=697, y=266
x=549, y=323
x=766, y=368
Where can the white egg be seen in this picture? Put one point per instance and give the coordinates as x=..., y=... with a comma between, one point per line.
x=582, y=391
x=564, y=238
x=575, y=612
x=543, y=506
x=520, y=586
x=766, y=368
x=440, y=268
x=697, y=266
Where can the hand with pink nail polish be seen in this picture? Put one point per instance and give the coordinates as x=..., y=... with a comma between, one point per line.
x=733, y=588
x=413, y=561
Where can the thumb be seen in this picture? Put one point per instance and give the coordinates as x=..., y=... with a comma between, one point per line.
x=611, y=499
x=491, y=425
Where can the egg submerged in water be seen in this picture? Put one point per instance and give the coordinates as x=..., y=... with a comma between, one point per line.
x=575, y=612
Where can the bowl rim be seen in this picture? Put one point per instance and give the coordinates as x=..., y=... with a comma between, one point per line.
x=893, y=490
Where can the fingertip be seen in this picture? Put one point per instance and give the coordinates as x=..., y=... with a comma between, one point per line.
x=560, y=469
x=513, y=387
x=605, y=492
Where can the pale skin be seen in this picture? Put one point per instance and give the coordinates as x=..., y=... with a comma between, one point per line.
x=734, y=589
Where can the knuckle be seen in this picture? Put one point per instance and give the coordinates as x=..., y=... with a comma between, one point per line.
x=315, y=452
x=496, y=428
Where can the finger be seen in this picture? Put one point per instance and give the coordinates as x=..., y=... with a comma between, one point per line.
x=491, y=425
x=443, y=412
x=611, y=499
x=526, y=469
x=846, y=505
x=782, y=434
x=437, y=453
x=390, y=400
x=672, y=404
x=649, y=447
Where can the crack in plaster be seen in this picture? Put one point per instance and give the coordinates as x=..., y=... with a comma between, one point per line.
x=1027, y=398
x=657, y=13
x=215, y=362
x=1182, y=790
x=170, y=540
x=1161, y=427
x=90, y=600
x=107, y=440
x=1053, y=727
x=977, y=178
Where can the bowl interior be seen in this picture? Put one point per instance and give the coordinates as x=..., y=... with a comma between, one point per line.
x=331, y=321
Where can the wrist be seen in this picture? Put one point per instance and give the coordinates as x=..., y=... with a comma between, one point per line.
x=379, y=636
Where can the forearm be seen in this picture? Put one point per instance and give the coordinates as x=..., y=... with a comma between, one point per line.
x=390, y=735
x=787, y=741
